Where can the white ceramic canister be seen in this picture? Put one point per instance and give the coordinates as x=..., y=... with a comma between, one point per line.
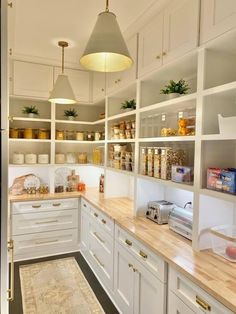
x=71, y=158
x=97, y=136
x=60, y=158
x=79, y=136
x=43, y=158
x=18, y=159
x=30, y=158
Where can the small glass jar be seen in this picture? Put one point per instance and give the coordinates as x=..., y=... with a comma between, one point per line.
x=71, y=158
x=18, y=159
x=122, y=135
x=70, y=135
x=128, y=125
x=82, y=158
x=116, y=129
x=21, y=133
x=14, y=133
x=128, y=134
x=43, y=158
x=60, y=135
x=133, y=124
x=90, y=136
x=43, y=134
x=132, y=133
x=97, y=136
x=79, y=136
x=60, y=158
x=30, y=158
x=122, y=125
x=28, y=133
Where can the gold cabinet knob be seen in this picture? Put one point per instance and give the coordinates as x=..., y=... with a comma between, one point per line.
x=130, y=265
x=164, y=54
x=158, y=57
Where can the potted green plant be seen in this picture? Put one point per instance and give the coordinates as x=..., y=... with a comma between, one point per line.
x=128, y=105
x=31, y=111
x=175, y=89
x=71, y=114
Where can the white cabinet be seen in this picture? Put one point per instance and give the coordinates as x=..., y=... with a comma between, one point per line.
x=192, y=296
x=176, y=306
x=84, y=229
x=181, y=28
x=137, y=290
x=32, y=79
x=117, y=80
x=80, y=83
x=98, y=86
x=170, y=34
x=217, y=17
x=150, y=45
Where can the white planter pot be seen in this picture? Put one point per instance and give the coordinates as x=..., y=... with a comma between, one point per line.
x=32, y=115
x=172, y=95
x=71, y=118
x=127, y=109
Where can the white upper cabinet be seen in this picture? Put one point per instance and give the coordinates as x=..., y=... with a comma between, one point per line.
x=32, y=79
x=173, y=32
x=217, y=17
x=80, y=83
x=119, y=79
x=98, y=86
x=181, y=28
x=150, y=45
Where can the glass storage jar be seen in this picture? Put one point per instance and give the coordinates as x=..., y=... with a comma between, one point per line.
x=82, y=158
x=60, y=158
x=79, y=136
x=14, y=133
x=28, y=133
x=70, y=135
x=60, y=135
x=43, y=134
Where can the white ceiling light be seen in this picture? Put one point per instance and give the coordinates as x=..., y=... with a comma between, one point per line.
x=106, y=50
x=62, y=92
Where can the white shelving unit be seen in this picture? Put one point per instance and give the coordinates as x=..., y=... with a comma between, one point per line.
x=212, y=92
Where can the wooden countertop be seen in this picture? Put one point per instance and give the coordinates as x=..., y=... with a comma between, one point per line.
x=211, y=272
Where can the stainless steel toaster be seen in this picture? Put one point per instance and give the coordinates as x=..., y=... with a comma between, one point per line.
x=158, y=211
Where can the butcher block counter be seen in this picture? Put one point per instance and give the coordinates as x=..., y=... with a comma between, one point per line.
x=210, y=272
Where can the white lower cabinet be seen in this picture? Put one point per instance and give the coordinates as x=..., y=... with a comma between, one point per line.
x=136, y=289
x=84, y=227
x=194, y=298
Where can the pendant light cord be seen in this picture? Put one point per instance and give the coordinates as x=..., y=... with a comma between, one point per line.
x=62, y=61
x=107, y=5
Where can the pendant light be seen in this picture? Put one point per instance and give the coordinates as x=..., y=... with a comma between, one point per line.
x=62, y=92
x=106, y=50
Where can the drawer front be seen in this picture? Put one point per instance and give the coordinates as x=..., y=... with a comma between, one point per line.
x=48, y=221
x=48, y=205
x=194, y=297
x=176, y=306
x=151, y=261
x=101, y=254
x=45, y=243
x=104, y=222
x=85, y=205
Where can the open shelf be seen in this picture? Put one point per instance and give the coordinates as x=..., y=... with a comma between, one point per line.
x=28, y=140
x=167, y=139
x=122, y=115
x=220, y=195
x=121, y=141
x=26, y=119
x=130, y=173
x=78, y=142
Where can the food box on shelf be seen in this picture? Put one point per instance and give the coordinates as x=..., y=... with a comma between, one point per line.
x=224, y=241
x=182, y=174
x=222, y=179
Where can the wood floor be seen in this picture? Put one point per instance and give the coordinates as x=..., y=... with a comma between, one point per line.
x=109, y=308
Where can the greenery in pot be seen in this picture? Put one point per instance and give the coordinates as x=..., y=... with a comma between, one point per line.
x=129, y=105
x=31, y=111
x=71, y=114
x=180, y=87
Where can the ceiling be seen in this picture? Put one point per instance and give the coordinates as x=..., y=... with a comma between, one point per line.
x=37, y=25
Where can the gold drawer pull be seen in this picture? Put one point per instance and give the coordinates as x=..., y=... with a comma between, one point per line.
x=45, y=222
x=144, y=255
x=130, y=265
x=56, y=204
x=10, y=248
x=203, y=304
x=95, y=214
x=158, y=57
x=135, y=270
x=128, y=242
x=84, y=205
x=97, y=259
x=104, y=221
x=97, y=236
x=45, y=242
x=164, y=54
x=36, y=206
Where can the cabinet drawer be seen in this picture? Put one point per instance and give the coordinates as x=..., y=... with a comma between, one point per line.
x=194, y=297
x=104, y=222
x=85, y=205
x=101, y=254
x=151, y=261
x=45, y=243
x=48, y=205
x=48, y=221
x=176, y=306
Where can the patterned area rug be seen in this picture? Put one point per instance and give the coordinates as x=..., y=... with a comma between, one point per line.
x=57, y=287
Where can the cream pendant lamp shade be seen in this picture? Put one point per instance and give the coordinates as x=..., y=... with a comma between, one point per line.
x=106, y=50
x=62, y=92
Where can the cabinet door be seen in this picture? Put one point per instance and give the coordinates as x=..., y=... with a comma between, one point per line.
x=217, y=17
x=149, y=292
x=84, y=226
x=150, y=45
x=32, y=80
x=80, y=83
x=119, y=79
x=98, y=86
x=124, y=280
x=181, y=25
x=176, y=306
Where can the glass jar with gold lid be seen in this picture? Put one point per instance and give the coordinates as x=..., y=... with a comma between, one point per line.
x=43, y=134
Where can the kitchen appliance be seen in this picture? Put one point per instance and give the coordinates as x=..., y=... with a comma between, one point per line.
x=158, y=211
x=181, y=221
